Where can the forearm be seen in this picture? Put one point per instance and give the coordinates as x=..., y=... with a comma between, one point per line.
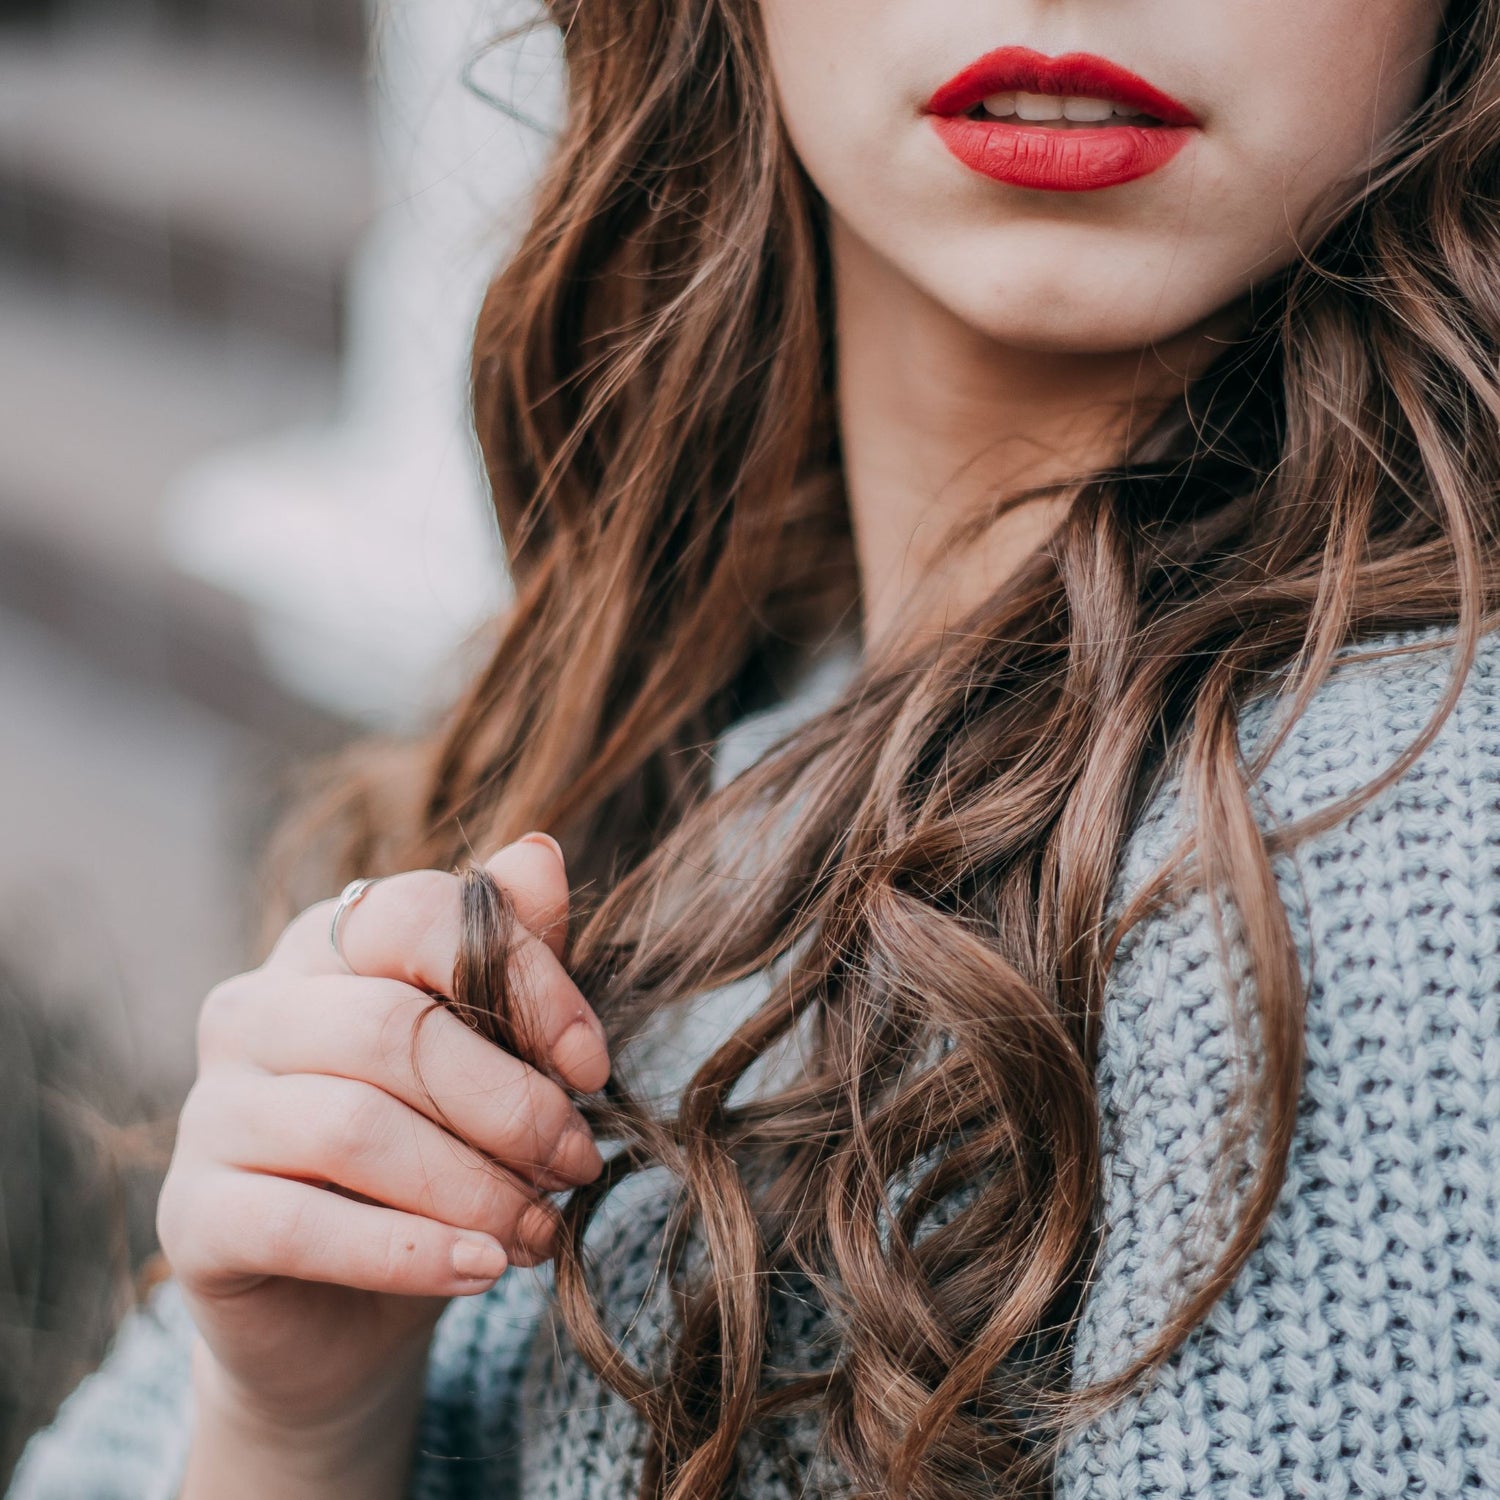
x=237, y=1454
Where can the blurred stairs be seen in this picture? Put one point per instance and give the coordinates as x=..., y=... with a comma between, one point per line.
x=183, y=184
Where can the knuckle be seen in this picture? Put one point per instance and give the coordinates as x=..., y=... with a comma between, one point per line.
x=398, y=1008
x=199, y=1223
x=483, y=1195
x=221, y=1117
x=170, y=1224
x=426, y=890
x=350, y=1120
x=414, y=903
x=283, y=1236
x=302, y=931
x=199, y=1110
x=539, y=1114
x=392, y=1023
x=221, y=1017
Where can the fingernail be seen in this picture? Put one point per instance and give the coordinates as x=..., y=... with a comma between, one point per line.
x=547, y=841
x=478, y=1259
x=580, y=1055
x=576, y=1158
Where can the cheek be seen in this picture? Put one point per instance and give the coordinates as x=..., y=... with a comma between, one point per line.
x=842, y=70
x=1314, y=90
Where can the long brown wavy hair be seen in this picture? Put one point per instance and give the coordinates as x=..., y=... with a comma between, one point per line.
x=652, y=381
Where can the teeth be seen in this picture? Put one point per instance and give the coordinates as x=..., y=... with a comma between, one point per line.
x=1039, y=107
x=1087, y=109
x=1036, y=107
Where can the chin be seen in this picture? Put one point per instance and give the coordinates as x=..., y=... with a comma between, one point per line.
x=1089, y=298
x=1041, y=316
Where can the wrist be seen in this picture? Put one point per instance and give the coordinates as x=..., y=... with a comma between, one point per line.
x=362, y=1450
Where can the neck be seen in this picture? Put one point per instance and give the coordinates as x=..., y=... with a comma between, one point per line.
x=940, y=422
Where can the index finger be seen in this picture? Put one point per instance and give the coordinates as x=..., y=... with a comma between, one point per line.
x=531, y=870
x=408, y=927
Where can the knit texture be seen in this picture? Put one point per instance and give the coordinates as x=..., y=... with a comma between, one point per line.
x=1358, y=1354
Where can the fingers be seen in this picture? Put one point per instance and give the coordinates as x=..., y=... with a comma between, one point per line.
x=387, y=1034
x=533, y=872
x=359, y=1138
x=409, y=928
x=224, y=1230
x=402, y=934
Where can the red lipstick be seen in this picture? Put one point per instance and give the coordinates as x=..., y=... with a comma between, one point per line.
x=1059, y=158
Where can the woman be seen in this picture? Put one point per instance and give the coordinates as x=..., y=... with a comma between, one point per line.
x=1084, y=421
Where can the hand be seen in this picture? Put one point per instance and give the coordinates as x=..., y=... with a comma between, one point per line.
x=318, y=1212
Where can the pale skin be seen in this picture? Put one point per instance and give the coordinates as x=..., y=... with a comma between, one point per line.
x=991, y=338
x=315, y=1308
x=994, y=338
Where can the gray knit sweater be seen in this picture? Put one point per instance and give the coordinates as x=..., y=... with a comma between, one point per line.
x=1359, y=1352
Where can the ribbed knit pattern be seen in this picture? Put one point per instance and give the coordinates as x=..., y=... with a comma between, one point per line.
x=1359, y=1352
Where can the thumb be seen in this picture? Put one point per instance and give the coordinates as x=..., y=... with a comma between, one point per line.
x=535, y=876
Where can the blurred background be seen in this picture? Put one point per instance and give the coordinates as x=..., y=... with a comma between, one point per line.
x=242, y=244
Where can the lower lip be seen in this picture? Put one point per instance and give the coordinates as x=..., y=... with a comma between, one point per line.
x=1060, y=160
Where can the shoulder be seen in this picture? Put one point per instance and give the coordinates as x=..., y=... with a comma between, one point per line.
x=1361, y=1330
x=1374, y=703
x=1394, y=908
x=1399, y=898
x=1410, y=878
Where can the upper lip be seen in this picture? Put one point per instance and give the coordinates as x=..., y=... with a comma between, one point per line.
x=1076, y=75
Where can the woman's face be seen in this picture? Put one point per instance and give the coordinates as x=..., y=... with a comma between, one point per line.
x=1106, y=229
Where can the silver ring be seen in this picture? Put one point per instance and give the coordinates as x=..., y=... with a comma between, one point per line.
x=350, y=895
